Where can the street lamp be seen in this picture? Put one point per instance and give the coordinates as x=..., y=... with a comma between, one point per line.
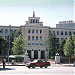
x=9, y=43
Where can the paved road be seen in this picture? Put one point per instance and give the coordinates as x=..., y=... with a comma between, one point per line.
x=52, y=70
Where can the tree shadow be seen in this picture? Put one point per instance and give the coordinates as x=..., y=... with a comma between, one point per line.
x=3, y=69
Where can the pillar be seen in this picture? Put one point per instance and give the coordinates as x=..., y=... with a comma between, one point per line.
x=32, y=53
x=39, y=53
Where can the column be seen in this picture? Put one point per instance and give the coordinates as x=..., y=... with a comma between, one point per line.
x=46, y=54
x=39, y=53
x=32, y=53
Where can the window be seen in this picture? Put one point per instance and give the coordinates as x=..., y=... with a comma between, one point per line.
x=70, y=33
x=32, y=38
x=6, y=31
x=40, y=38
x=61, y=32
x=1, y=31
x=28, y=37
x=36, y=31
x=41, y=44
x=57, y=32
x=36, y=38
x=74, y=33
x=66, y=33
x=11, y=30
x=29, y=31
x=61, y=39
x=57, y=45
x=36, y=43
x=36, y=21
x=40, y=31
x=33, y=20
x=54, y=32
x=28, y=43
x=33, y=31
x=57, y=39
x=33, y=44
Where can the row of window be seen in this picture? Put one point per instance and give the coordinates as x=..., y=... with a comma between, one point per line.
x=63, y=33
x=33, y=38
x=34, y=31
x=35, y=44
x=34, y=21
x=61, y=39
x=6, y=30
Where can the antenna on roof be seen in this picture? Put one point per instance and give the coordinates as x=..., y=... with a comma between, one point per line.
x=33, y=13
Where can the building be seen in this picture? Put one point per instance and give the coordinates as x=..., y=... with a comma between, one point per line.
x=36, y=35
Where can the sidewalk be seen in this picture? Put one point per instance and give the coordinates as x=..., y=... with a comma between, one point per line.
x=61, y=64
x=51, y=61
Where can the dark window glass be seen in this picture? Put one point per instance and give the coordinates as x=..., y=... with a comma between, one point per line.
x=41, y=44
x=57, y=39
x=6, y=31
x=28, y=37
x=33, y=20
x=70, y=33
x=1, y=31
x=36, y=43
x=66, y=33
x=28, y=43
x=40, y=31
x=29, y=31
x=74, y=33
x=36, y=38
x=54, y=32
x=32, y=38
x=61, y=32
x=33, y=31
x=36, y=31
x=32, y=43
x=57, y=32
x=40, y=38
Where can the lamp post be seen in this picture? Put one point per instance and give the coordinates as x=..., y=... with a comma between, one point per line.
x=9, y=43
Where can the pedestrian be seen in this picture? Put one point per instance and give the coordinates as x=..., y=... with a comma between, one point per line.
x=3, y=61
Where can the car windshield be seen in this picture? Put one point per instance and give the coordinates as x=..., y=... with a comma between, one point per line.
x=34, y=60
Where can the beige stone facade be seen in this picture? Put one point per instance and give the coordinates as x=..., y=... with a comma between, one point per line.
x=36, y=36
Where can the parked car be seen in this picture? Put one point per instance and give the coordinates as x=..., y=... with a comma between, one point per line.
x=38, y=63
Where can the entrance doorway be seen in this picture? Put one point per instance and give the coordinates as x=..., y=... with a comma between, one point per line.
x=43, y=54
x=35, y=54
x=29, y=53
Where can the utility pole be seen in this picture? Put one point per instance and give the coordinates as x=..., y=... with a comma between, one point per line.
x=9, y=43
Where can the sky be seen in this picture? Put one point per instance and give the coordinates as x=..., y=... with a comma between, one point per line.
x=16, y=12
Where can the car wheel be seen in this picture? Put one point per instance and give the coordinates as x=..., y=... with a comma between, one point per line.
x=33, y=66
x=28, y=66
x=41, y=67
x=46, y=66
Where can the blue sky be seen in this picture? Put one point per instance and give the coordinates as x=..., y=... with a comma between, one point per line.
x=16, y=12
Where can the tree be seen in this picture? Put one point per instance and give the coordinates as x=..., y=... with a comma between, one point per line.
x=19, y=45
x=52, y=43
x=69, y=47
x=2, y=46
x=61, y=47
x=10, y=38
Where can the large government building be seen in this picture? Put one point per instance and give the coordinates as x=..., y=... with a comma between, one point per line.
x=36, y=35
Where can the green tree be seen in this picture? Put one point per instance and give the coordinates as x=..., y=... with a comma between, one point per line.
x=62, y=47
x=52, y=44
x=19, y=44
x=2, y=46
x=10, y=38
x=69, y=47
